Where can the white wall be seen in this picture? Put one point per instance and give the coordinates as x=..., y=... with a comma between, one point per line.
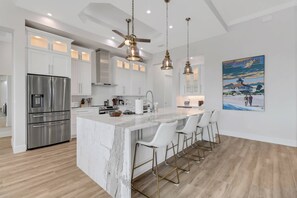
x=12, y=19
x=5, y=58
x=277, y=40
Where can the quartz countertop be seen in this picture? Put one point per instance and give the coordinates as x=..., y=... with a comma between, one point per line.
x=136, y=122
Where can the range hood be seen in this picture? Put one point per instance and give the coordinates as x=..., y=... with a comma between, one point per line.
x=104, y=71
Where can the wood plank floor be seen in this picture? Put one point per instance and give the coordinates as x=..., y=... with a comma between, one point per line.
x=236, y=168
x=48, y=172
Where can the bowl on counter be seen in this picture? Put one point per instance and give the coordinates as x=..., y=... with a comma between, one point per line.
x=116, y=113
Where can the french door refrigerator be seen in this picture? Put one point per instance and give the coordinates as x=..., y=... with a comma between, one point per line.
x=48, y=110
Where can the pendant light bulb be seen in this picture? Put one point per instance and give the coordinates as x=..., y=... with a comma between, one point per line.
x=188, y=69
x=167, y=62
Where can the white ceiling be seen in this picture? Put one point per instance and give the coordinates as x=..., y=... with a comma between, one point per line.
x=101, y=16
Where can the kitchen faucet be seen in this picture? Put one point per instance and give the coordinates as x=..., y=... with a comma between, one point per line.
x=153, y=102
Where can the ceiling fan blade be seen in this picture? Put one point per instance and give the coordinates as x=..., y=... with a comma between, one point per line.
x=119, y=33
x=143, y=40
x=121, y=45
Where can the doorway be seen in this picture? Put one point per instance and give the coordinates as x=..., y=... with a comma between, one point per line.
x=6, y=67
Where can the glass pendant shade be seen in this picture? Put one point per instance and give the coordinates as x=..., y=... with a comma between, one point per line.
x=188, y=69
x=133, y=52
x=167, y=62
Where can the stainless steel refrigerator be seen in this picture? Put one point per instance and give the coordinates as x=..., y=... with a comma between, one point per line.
x=48, y=110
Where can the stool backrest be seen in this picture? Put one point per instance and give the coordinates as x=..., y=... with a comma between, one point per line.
x=204, y=121
x=164, y=134
x=191, y=124
x=214, y=116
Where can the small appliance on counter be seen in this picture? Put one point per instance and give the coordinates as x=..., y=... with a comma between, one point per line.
x=106, y=109
x=200, y=103
x=106, y=103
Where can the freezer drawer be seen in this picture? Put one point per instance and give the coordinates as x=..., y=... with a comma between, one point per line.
x=45, y=134
x=48, y=117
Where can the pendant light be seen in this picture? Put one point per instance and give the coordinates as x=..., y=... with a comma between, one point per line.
x=133, y=51
x=188, y=69
x=167, y=62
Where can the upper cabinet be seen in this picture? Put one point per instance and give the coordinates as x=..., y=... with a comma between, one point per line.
x=191, y=85
x=79, y=53
x=130, y=77
x=48, y=54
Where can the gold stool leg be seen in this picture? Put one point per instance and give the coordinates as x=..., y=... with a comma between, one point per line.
x=209, y=139
x=176, y=168
x=218, y=132
x=157, y=172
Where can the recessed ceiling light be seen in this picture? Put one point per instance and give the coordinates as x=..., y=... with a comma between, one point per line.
x=49, y=14
x=191, y=58
x=141, y=48
x=113, y=38
x=170, y=26
x=148, y=11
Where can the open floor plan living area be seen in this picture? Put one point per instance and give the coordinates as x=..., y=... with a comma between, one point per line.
x=148, y=98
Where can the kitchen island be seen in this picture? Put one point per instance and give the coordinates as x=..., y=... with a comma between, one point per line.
x=104, y=146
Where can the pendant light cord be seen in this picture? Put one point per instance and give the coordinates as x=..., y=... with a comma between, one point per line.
x=133, y=17
x=188, y=35
x=167, y=26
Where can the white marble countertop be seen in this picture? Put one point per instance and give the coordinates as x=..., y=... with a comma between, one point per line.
x=136, y=122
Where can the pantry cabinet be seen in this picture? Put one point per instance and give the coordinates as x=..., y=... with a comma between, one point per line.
x=81, y=71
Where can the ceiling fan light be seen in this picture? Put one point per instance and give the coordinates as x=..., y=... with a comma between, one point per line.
x=133, y=52
x=167, y=62
x=188, y=69
x=127, y=42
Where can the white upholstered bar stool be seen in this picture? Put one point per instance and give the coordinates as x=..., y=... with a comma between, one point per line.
x=188, y=133
x=204, y=123
x=214, y=121
x=163, y=137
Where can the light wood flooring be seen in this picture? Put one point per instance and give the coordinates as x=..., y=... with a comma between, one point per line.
x=236, y=168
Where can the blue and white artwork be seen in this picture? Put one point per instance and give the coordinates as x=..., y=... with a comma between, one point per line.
x=243, y=84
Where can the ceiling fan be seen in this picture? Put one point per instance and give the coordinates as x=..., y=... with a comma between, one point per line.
x=130, y=37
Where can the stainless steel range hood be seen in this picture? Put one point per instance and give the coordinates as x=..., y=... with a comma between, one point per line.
x=104, y=70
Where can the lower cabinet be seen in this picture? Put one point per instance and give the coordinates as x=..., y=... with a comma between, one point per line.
x=81, y=112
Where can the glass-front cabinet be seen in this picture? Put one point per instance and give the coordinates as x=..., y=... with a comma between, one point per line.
x=79, y=53
x=191, y=85
x=45, y=41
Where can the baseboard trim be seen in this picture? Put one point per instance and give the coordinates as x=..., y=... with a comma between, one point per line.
x=261, y=138
x=19, y=149
x=5, y=134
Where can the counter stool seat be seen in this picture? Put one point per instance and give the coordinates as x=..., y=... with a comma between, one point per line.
x=163, y=137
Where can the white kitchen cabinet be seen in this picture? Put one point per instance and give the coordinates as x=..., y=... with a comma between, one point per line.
x=48, y=54
x=44, y=63
x=81, y=71
x=130, y=77
x=39, y=62
x=191, y=85
x=81, y=112
x=81, y=83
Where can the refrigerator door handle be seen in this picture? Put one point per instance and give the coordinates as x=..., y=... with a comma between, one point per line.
x=47, y=125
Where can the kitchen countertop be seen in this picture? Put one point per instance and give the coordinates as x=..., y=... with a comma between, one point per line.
x=136, y=122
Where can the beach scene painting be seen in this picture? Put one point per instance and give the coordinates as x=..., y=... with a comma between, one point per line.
x=243, y=84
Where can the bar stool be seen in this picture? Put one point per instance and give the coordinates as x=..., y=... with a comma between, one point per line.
x=214, y=120
x=162, y=138
x=204, y=123
x=188, y=130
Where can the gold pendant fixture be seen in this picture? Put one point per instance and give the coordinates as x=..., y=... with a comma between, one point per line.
x=188, y=69
x=167, y=62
